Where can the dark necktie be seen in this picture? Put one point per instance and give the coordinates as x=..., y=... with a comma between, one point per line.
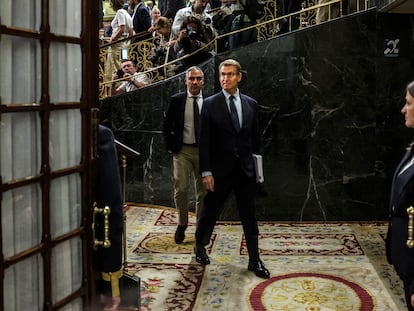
x=196, y=115
x=411, y=148
x=234, y=116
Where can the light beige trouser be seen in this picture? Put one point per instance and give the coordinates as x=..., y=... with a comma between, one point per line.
x=187, y=168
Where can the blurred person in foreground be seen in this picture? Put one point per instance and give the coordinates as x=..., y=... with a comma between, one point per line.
x=399, y=253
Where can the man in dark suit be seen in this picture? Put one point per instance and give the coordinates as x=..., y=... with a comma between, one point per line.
x=180, y=131
x=168, y=8
x=400, y=253
x=141, y=19
x=228, y=137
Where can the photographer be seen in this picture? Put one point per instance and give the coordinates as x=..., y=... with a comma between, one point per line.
x=194, y=35
x=198, y=8
x=132, y=79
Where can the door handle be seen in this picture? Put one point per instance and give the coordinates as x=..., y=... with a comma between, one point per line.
x=106, y=243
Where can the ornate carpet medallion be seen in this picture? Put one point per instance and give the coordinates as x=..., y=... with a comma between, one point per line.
x=310, y=292
x=314, y=266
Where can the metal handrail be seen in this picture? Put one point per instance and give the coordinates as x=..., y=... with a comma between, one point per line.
x=125, y=152
x=263, y=23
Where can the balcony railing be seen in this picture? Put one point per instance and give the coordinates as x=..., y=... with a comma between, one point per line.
x=266, y=28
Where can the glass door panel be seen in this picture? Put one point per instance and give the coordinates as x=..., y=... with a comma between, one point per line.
x=20, y=145
x=65, y=17
x=21, y=219
x=65, y=138
x=65, y=72
x=24, y=286
x=21, y=13
x=20, y=60
x=66, y=268
x=65, y=204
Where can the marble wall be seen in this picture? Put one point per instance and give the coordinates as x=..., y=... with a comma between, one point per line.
x=330, y=99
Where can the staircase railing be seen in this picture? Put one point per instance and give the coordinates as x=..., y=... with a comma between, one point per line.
x=267, y=28
x=125, y=152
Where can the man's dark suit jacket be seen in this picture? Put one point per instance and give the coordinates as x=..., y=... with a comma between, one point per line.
x=173, y=126
x=142, y=20
x=220, y=146
x=169, y=8
x=402, y=197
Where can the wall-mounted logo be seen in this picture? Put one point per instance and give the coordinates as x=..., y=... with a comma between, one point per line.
x=392, y=48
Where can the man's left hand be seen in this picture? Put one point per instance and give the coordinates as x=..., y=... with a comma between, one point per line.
x=208, y=182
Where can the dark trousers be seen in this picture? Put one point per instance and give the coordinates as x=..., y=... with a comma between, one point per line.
x=244, y=190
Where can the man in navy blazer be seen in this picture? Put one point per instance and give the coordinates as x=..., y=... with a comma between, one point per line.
x=399, y=253
x=168, y=8
x=229, y=136
x=141, y=19
x=180, y=131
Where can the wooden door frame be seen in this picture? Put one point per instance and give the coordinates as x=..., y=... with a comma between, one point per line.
x=88, y=107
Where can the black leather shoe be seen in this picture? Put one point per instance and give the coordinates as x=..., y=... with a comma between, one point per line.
x=201, y=255
x=179, y=234
x=259, y=269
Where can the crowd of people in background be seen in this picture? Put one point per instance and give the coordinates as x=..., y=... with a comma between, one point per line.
x=179, y=27
x=189, y=28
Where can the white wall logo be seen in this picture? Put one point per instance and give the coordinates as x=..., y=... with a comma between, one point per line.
x=391, y=48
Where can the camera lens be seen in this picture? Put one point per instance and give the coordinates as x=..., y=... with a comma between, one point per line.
x=192, y=34
x=120, y=73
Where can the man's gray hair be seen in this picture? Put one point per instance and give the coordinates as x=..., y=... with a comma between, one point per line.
x=193, y=68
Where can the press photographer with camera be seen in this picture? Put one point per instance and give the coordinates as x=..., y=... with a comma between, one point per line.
x=132, y=79
x=194, y=35
x=198, y=9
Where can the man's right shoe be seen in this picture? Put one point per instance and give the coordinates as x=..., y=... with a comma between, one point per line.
x=259, y=269
x=201, y=255
x=179, y=234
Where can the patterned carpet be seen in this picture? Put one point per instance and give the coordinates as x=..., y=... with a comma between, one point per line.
x=314, y=267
